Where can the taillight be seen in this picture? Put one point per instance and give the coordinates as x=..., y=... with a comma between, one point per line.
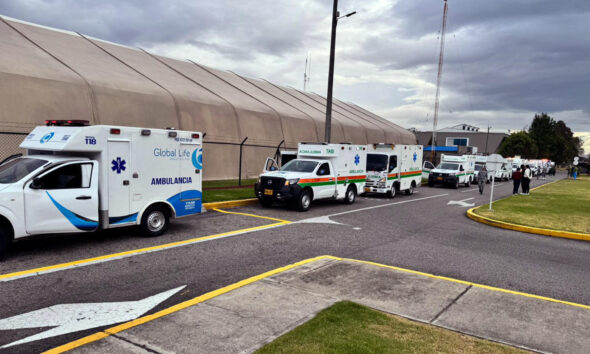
x=115, y=131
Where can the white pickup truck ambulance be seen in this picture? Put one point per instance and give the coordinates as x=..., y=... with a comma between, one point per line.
x=453, y=171
x=79, y=178
x=320, y=171
x=393, y=168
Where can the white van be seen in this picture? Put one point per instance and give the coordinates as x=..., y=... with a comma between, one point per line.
x=79, y=178
x=393, y=168
x=320, y=171
x=453, y=171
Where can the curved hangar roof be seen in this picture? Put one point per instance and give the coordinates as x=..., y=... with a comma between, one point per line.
x=53, y=74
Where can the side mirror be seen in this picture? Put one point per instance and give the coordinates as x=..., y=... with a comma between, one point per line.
x=273, y=168
x=36, y=184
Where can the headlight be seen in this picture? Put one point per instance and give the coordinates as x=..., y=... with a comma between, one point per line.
x=291, y=181
x=382, y=180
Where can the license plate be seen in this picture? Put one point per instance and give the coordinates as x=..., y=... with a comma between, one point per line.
x=367, y=189
x=439, y=178
x=268, y=192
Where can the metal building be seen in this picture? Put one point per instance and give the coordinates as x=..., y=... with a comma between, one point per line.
x=52, y=74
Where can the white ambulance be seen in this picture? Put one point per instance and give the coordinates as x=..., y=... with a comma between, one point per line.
x=393, y=168
x=320, y=171
x=453, y=171
x=79, y=178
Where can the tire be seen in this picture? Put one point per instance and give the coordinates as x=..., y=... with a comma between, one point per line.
x=4, y=243
x=266, y=203
x=456, y=186
x=393, y=191
x=350, y=195
x=410, y=191
x=468, y=183
x=154, y=221
x=304, y=200
x=430, y=184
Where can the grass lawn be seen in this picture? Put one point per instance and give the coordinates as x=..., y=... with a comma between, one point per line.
x=221, y=195
x=564, y=205
x=347, y=327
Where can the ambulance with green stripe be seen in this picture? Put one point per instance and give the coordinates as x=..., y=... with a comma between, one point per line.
x=320, y=171
x=453, y=171
x=393, y=168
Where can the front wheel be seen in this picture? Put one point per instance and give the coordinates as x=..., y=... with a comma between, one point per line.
x=154, y=222
x=410, y=191
x=350, y=195
x=304, y=201
x=456, y=186
x=393, y=191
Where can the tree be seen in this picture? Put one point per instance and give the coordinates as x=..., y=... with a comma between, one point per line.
x=519, y=144
x=542, y=131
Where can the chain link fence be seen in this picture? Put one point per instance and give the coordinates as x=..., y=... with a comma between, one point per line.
x=9, y=143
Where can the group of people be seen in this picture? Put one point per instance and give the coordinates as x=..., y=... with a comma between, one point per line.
x=572, y=171
x=522, y=176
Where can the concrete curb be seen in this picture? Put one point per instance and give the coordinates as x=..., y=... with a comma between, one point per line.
x=528, y=229
x=230, y=203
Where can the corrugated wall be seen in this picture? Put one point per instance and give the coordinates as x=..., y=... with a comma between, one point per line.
x=53, y=74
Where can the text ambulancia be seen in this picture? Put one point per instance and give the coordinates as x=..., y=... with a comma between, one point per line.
x=320, y=171
x=393, y=168
x=79, y=178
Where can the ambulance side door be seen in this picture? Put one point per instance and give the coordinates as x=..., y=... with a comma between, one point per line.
x=394, y=169
x=63, y=199
x=326, y=187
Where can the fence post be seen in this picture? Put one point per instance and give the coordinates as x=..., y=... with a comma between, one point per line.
x=240, y=169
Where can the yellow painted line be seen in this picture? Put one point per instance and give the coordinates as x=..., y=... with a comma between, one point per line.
x=183, y=305
x=88, y=261
x=528, y=229
x=113, y=330
x=252, y=215
x=230, y=203
x=464, y=282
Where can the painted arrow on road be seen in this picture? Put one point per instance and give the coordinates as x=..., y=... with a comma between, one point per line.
x=461, y=202
x=69, y=318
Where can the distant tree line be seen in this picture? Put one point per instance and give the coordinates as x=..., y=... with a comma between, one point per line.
x=545, y=138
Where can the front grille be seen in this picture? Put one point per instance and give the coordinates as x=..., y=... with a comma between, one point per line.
x=371, y=183
x=274, y=183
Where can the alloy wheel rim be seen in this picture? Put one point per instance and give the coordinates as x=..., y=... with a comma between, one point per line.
x=155, y=221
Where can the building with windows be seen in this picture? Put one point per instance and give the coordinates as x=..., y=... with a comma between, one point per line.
x=463, y=138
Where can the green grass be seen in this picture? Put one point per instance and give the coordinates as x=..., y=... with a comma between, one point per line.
x=346, y=327
x=564, y=205
x=221, y=195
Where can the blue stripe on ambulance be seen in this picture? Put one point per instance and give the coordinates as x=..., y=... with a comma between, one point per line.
x=78, y=221
x=187, y=202
x=122, y=219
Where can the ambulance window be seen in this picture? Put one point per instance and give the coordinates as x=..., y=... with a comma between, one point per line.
x=392, y=162
x=68, y=177
x=14, y=170
x=324, y=170
x=429, y=165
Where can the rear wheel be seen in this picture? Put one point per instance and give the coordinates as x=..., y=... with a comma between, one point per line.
x=304, y=200
x=154, y=222
x=350, y=195
x=468, y=183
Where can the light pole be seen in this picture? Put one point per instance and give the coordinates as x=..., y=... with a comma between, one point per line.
x=335, y=18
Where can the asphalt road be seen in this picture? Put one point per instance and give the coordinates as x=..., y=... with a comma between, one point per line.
x=420, y=232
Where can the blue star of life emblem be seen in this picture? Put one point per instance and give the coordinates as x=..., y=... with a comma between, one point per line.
x=118, y=165
x=357, y=159
x=415, y=157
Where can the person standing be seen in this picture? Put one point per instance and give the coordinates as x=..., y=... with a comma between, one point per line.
x=575, y=172
x=482, y=176
x=517, y=176
x=526, y=180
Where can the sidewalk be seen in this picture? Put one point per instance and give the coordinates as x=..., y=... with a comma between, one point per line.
x=244, y=319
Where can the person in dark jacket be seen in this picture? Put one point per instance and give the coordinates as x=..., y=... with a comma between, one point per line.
x=517, y=176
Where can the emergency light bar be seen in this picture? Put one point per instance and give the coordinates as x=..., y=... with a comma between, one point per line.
x=67, y=123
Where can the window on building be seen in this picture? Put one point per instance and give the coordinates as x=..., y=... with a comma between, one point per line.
x=457, y=141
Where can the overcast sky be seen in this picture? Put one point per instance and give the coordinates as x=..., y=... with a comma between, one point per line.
x=504, y=60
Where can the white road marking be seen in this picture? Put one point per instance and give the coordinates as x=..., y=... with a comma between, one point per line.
x=320, y=220
x=469, y=190
x=462, y=202
x=69, y=318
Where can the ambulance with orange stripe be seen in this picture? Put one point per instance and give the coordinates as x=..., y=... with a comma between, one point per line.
x=393, y=168
x=320, y=171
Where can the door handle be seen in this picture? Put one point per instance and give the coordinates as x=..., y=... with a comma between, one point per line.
x=126, y=182
x=84, y=197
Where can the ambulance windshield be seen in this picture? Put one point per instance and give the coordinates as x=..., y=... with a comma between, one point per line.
x=376, y=162
x=448, y=166
x=299, y=166
x=15, y=170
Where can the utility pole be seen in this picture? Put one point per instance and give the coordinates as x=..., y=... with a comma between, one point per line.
x=438, y=80
x=335, y=18
x=307, y=72
x=328, y=128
